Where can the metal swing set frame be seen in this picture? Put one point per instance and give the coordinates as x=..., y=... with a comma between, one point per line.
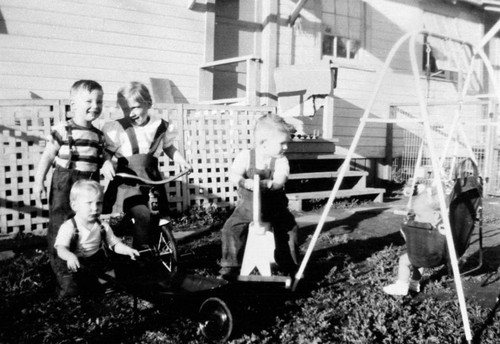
x=478, y=53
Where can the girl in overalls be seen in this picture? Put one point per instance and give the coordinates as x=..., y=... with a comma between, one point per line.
x=137, y=140
x=267, y=160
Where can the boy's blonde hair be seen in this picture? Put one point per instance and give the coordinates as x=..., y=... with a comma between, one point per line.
x=134, y=91
x=85, y=186
x=84, y=85
x=270, y=124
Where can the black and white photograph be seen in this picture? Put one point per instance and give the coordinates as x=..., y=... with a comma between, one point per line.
x=250, y=171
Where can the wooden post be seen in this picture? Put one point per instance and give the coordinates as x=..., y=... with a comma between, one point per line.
x=251, y=81
x=329, y=108
x=206, y=84
x=269, y=52
x=182, y=147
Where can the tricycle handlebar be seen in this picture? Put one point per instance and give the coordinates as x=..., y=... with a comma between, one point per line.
x=153, y=182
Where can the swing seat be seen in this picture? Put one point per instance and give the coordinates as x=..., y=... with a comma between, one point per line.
x=427, y=247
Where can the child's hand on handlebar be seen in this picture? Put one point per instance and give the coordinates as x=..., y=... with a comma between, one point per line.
x=133, y=253
x=248, y=184
x=186, y=166
x=108, y=170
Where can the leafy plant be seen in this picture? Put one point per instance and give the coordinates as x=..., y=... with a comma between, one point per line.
x=200, y=216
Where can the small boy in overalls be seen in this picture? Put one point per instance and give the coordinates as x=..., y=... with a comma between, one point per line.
x=75, y=150
x=137, y=140
x=267, y=159
x=81, y=239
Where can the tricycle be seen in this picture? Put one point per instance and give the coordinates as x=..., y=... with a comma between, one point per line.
x=157, y=278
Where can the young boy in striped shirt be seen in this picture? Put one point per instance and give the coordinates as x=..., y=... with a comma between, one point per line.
x=75, y=149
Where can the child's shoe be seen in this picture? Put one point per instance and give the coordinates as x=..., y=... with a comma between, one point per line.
x=414, y=285
x=397, y=288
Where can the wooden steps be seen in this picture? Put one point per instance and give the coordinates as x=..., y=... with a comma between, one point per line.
x=377, y=192
x=327, y=174
x=314, y=168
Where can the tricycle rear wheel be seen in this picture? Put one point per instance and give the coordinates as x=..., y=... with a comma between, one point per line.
x=216, y=321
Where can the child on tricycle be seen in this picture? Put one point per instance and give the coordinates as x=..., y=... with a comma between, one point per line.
x=137, y=140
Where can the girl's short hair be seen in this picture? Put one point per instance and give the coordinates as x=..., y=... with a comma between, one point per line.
x=136, y=91
x=269, y=124
x=84, y=85
x=85, y=186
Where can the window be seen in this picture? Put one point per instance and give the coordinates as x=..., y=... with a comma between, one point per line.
x=342, y=28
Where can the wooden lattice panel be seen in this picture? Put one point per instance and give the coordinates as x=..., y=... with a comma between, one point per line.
x=213, y=138
x=24, y=130
x=209, y=137
x=176, y=190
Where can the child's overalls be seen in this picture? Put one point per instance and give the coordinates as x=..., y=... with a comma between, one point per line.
x=274, y=206
x=84, y=281
x=63, y=179
x=127, y=196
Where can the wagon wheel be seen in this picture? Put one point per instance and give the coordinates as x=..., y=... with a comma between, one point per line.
x=166, y=249
x=216, y=320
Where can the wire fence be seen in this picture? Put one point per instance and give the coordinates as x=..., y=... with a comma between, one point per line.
x=474, y=135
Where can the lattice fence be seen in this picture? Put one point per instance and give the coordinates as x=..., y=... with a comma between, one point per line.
x=210, y=136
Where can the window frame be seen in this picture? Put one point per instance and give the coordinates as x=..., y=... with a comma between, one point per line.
x=328, y=31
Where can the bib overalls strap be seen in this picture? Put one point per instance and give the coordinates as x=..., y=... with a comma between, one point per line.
x=144, y=165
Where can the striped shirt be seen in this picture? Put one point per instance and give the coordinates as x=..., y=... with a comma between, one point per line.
x=80, y=148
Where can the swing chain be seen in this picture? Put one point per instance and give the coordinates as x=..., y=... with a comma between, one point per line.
x=428, y=51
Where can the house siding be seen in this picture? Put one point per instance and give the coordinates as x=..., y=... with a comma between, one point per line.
x=385, y=22
x=48, y=45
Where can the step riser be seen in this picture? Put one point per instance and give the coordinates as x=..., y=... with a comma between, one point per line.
x=310, y=185
x=314, y=170
x=296, y=200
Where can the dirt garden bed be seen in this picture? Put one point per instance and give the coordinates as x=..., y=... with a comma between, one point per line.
x=339, y=300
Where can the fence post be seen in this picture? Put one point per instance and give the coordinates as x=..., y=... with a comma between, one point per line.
x=490, y=173
x=389, y=143
x=182, y=142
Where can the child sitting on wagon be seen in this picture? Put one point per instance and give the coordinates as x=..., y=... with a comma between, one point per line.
x=267, y=159
x=81, y=239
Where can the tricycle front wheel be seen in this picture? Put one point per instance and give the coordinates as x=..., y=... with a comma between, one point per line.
x=166, y=248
